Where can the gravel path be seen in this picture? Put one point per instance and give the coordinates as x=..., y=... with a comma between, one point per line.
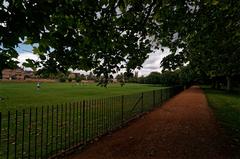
x=184, y=127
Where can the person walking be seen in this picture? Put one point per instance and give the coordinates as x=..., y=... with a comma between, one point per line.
x=38, y=86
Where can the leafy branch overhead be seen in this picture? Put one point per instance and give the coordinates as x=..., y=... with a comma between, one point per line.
x=85, y=35
x=109, y=35
x=208, y=33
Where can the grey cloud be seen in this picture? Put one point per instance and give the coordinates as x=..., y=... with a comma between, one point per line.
x=153, y=62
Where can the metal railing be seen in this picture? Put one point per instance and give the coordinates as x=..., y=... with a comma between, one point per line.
x=54, y=131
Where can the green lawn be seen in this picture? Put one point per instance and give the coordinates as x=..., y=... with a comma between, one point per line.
x=21, y=95
x=226, y=107
x=45, y=131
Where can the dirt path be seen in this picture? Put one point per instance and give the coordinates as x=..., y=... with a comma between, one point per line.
x=183, y=128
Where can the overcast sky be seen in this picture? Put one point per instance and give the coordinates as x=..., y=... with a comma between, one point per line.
x=151, y=64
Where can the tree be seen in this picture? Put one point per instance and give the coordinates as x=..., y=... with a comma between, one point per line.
x=50, y=68
x=189, y=75
x=91, y=76
x=109, y=35
x=84, y=35
x=170, y=78
x=121, y=78
x=167, y=78
x=153, y=78
x=7, y=59
x=207, y=32
x=29, y=63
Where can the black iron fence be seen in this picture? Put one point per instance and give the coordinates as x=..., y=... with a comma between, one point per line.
x=53, y=131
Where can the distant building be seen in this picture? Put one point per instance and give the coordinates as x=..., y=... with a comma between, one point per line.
x=73, y=75
x=10, y=74
x=16, y=74
x=29, y=74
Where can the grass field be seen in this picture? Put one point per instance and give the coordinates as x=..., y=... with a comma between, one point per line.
x=21, y=95
x=39, y=132
x=226, y=107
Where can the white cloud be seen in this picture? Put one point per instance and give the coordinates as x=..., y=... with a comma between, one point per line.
x=26, y=55
x=153, y=62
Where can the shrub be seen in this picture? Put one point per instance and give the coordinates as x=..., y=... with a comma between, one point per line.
x=70, y=80
x=62, y=79
x=78, y=79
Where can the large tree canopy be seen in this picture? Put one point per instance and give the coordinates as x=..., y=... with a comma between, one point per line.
x=106, y=35
x=100, y=35
x=209, y=34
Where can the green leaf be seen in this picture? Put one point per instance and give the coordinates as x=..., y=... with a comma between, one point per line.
x=37, y=51
x=28, y=41
x=215, y=2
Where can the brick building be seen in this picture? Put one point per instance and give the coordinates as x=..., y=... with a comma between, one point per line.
x=13, y=74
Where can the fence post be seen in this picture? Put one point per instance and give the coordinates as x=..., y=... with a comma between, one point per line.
x=61, y=132
x=170, y=92
x=56, y=137
x=154, y=103
x=83, y=122
x=52, y=109
x=142, y=104
x=36, y=120
x=69, y=122
x=42, y=133
x=15, y=138
x=1, y=135
x=46, y=145
x=73, y=131
x=161, y=96
x=29, y=132
x=166, y=94
x=8, y=134
x=122, y=109
x=23, y=121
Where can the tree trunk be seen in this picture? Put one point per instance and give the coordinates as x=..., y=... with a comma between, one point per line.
x=229, y=87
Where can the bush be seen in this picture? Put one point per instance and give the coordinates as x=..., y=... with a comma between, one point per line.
x=78, y=79
x=62, y=79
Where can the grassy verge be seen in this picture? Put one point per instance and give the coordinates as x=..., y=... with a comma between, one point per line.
x=226, y=107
